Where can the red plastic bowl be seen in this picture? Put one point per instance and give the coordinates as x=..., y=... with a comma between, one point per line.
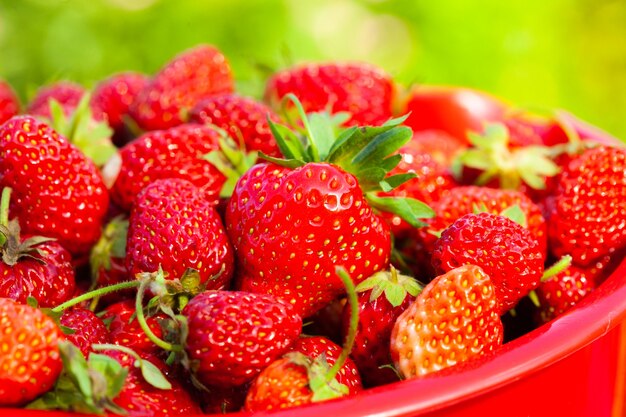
x=573, y=366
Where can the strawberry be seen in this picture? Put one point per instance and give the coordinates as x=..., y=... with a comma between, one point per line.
x=293, y=221
x=66, y=93
x=456, y=111
x=88, y=329
x=29, y=359
x=234, y=335
x=112, y=98
x=244, y=119
x=58, y=192
x=382, y=298
x=9, y=103
x=563, y=291
x=467, y=199
x=195, y=74
x=362, y=90
x=283, y=384
x=174, y=153
x=297, y=378
x=32, y=266
x=315, y=346
x=442, y=147
x=432, y=181
x=588, y=215
x=505, y=250
x=124, y=329
x=141, y=399
x=454, y=319
x=173, y=227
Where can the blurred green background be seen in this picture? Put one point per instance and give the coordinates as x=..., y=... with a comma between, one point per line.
x=542, y=53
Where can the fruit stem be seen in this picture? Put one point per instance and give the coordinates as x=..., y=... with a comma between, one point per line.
x=96, y=293
x=141, y=319
x=4, y=211
x=560, y=266
x=353, y=302
x=110, y=346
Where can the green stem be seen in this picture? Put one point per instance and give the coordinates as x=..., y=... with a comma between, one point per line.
x=4, y=211
x=141, y=319
x=96, y=293
x=354, y=323
x=560, y=266
x=110, y=346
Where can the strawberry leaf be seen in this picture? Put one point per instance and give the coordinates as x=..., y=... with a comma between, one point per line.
x=153, y=375
x=516, y=214
x=395, y=294
x=409, y=209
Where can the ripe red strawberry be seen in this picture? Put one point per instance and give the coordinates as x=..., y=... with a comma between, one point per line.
x=57, y=191
x=362, y=90
x=563, y=291
x=467, y=199
x=432, y=181
x=588, y=215
x=173, y=226
x=295, y=379
x=505, y=250
x=234, y=335
x=195, y=74
x=29, y=359
x=454, y=319
x=172, y=153
x=315, y=346
x=306, y=221
x=111, y=99
x=141, y=399
x=453, y=110
x=244, y=119
x=382, y=298
x=124, y=329
x=32, y=266
x=9, y=103
x=293, y=221
x=88, y=329
x=283, y=384
x=66, y=93
x=442, y=147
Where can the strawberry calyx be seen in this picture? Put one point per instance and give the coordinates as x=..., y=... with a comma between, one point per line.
x=232, y=159
x=90, y=385
x=492, y=155
x=392, y=284
x=368, y=152
x=112, y=244
x=11, y=245
x=91, y=136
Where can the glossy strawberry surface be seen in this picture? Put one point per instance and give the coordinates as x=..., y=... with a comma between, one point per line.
x=296, y=226
x=173, y=226
x=588, y=217
x=234, y=335
x=57, y=191
x=9, y=103
x=454, y=319
x=243, y=118
x=172, y=153
x=88, y=329
x=66, y=93
x=29, y=359
x=189, y=77
x=505, y=250
x=362, y=90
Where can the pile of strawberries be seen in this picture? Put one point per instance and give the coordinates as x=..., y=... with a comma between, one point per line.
x=171, y=247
